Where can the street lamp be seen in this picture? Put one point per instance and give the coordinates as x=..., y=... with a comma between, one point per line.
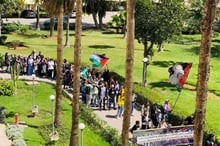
x=81, y=127
x=34, y=107
x=144, y=77
x=54, y=135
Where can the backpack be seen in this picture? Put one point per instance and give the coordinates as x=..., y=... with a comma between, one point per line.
x=87, y=90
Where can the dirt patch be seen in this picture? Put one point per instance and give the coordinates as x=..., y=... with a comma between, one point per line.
x=32, y=83
x=18, y=48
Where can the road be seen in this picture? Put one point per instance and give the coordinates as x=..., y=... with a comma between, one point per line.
x=87, y=20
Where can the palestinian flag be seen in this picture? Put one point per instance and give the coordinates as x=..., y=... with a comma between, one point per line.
x=179, y=74
x=98, y=60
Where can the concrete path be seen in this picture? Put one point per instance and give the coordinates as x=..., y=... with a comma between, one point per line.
x=105, y=115
x=3, y=138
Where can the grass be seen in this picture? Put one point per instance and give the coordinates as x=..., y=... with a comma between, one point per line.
x=158, y=89
x=39, y=127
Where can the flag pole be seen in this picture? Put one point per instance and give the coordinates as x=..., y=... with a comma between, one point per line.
x=176, y=100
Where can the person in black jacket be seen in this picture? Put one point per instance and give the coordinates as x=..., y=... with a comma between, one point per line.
x=135, y=127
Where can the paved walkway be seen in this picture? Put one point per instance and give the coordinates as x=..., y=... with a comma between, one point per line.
x=106, y=115
x=3, y=138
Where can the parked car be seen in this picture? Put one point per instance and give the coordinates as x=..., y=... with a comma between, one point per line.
x=28, y=14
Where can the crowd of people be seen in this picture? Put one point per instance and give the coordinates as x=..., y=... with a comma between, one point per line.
x=97, y=88
x=153, y=116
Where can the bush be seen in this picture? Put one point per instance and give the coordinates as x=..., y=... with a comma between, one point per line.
x=15, y=43
x=6, y=89
x=9, y=27
x=3, y=40
x=100, y=127
x=15, y=133
x=2, y=60
x=18, y=142
x=13, y=27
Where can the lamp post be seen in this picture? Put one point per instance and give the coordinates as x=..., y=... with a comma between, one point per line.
x=54, y=135
x=144, y=77
x=33, y=94
x=52, y=97
x=34, y=107
x=81, y=127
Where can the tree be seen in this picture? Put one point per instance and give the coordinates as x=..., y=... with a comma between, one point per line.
x=76, y=76
x=129, y=72
x=156, y=23
x=119, y=21
x=8, y=7
x=69, y=7
x=47, y=6
x=55, y=7
x=38, y=14
x=203, y=71
x=96, y=7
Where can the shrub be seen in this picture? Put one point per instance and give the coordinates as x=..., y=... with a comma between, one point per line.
x=2, y=60
x=18, y=142
x=13, y=27
x=3, y=40
x=9, y=27
x=108, y=133
x=15, y=43
x=15, y=133
x=6, y=89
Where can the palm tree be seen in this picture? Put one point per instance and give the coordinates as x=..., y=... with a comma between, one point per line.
x=38, y=15
x=129, y=71
x=69, y=7
x=47, y=5
x=203, y=71
x=56, y=7
x=76, y=76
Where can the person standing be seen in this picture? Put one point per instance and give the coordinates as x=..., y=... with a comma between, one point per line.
x=102, y=96
x=145, y=120
x=112, y=94
x=210, y=141
x=133, y=103
x=121, y=98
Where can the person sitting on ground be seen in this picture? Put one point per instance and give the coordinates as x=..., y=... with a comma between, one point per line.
x=210, y=141
x=135, y=127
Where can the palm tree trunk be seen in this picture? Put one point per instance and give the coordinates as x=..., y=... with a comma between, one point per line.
x=52, y=26
x=129, y=72
x=76, y=76
x=38, y=18
x=67, y=42
x=58, y=110
x=0, y=24
x=203, y=71
x=94, y=16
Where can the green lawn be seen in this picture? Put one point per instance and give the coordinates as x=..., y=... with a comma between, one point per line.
x=158, y=89
x=41, y=123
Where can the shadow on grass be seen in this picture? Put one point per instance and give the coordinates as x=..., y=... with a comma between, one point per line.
x=108, y=32
x=101, y=46
x=163, y=85
x=163, y=63
x=10, y=114
x=215, y=51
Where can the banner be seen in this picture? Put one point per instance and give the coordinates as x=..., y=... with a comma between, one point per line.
x=173, y=136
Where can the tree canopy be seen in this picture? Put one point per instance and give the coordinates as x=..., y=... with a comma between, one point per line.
x=157, y=22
